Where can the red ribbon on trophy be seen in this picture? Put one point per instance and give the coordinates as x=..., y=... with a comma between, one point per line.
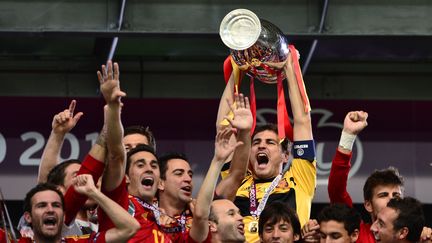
x=253, y=44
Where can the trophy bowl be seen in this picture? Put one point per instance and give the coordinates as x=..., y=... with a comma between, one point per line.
x=252, y=42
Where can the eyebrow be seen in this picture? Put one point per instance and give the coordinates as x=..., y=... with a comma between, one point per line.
x=145, y=161
x=267, y=139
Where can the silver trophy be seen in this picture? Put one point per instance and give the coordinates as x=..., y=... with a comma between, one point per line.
x=253, y=42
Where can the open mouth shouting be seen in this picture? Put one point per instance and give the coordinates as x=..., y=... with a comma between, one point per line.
x=50, y=222
x=262, y=159
x=147, y=182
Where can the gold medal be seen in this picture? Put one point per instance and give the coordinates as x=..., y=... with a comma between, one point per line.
x=253, y=226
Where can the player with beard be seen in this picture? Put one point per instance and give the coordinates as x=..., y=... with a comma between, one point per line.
x=268, y=155
x=61, y=174
x=175, y=192
x=44, y=209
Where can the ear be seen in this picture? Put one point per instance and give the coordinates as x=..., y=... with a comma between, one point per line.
x=285, y=157
x=368, y=206
x=403, y=233
x=213, y=227
x=161, y=185
x=296, y=237
x=62, y=189
x=127, y=179
x=27, y=217
x=354, y=235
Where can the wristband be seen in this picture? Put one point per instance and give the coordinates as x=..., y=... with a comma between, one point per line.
x=347, y=140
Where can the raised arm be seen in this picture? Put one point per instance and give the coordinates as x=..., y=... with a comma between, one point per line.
x=302, y=121
x=116, y=159
x=125, y=225
x=242, y=122
x=62, y=123
x=354, y=123
x=223, y=148
x=92, y=164
x=224, y=106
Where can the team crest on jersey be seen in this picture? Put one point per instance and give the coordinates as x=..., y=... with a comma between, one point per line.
x=144, y=215
x=283, y=184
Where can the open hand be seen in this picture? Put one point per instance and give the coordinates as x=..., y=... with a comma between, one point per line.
x=110, y=83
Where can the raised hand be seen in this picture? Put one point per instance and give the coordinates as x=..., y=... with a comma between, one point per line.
x=355, y=122
x=110, y=83
x=84, y=184
x=64, y=121
x=242, y=113
x=223, y=147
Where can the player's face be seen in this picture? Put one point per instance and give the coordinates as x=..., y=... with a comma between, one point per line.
x=383, y=228
x=230, y=227
x=281, y=232
x=178, y=181
x=266, y=155
x=46, y=215
x=132, y=140
x=334, y=232
x=143, y=175
x=380, y=197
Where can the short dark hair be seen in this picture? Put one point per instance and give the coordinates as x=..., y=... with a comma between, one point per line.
x=389, y=176
x=163, y=162
x=275, y=212
x=138, y=148
x=410, y=215
x=39, y=188
x=343, y=214
x=57, y=174
x=286, y=143
x=145, y=131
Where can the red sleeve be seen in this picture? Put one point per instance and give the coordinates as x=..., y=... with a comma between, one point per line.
x=73, y=200
x=2, y=236
x=337, y=183
x=119, y=195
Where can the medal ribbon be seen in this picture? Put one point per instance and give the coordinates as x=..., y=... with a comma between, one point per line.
x=180, y=228
x=254, y=210
x=155, y=210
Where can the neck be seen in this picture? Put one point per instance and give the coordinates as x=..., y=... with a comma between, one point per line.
x=136, y=194
x=172, y=207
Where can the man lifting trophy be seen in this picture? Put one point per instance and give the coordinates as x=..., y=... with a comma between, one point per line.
x=259, y=48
